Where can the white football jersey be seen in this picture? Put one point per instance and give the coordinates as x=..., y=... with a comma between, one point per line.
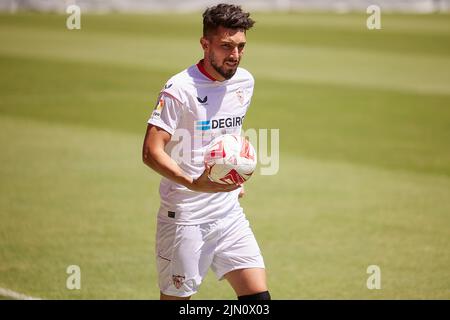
x=194, y=109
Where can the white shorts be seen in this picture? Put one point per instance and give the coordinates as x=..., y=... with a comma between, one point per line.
x=184, y=253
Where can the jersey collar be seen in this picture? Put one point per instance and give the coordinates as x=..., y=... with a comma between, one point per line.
x=202, y=69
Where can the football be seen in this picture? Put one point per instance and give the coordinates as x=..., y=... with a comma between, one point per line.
x=232, y=159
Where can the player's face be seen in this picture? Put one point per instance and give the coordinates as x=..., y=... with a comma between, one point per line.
x=224, y=50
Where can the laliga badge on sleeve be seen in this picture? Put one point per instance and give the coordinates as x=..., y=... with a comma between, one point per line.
x=157, y=111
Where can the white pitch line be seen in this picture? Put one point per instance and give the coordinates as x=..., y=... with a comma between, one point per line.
x=15, y=295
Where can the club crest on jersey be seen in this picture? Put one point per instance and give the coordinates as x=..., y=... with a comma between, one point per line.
x=240, y=96
x=178, y=281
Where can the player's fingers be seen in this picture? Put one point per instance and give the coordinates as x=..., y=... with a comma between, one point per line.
x=207, y=169
x=204, y=175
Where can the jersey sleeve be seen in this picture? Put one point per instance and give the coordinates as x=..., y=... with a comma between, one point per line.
x=167, y=113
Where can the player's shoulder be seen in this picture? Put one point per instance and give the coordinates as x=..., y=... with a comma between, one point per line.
x=177, y=85
x=178, y=80
x=244, y=75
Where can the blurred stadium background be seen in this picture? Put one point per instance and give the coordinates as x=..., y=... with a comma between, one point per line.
x=364, y=125
x=422, y=6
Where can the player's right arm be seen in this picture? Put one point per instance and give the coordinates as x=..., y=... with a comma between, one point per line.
x=154, y=156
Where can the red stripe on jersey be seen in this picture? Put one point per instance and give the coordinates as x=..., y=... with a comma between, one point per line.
x=203, y=70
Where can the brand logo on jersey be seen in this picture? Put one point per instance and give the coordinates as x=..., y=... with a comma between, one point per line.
x=203, y=125
x=220, y=123
x=167, y=85
x=202, y=101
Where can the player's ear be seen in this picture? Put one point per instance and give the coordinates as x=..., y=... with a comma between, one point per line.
x=204, y=42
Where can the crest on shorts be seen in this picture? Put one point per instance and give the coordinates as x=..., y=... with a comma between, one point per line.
x=178, y=281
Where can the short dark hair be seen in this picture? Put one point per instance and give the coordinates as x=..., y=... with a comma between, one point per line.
x=227, y=16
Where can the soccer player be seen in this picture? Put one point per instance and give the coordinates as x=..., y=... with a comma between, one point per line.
x=200, y=223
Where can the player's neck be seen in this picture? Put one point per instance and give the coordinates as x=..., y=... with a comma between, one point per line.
x=209, y=71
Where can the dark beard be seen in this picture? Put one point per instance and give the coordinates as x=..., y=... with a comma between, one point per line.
x=227, y=74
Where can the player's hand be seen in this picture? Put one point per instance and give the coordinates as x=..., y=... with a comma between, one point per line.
x=204, y=184
x=241, y=192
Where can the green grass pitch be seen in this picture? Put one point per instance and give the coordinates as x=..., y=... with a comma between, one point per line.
x=364, y=179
